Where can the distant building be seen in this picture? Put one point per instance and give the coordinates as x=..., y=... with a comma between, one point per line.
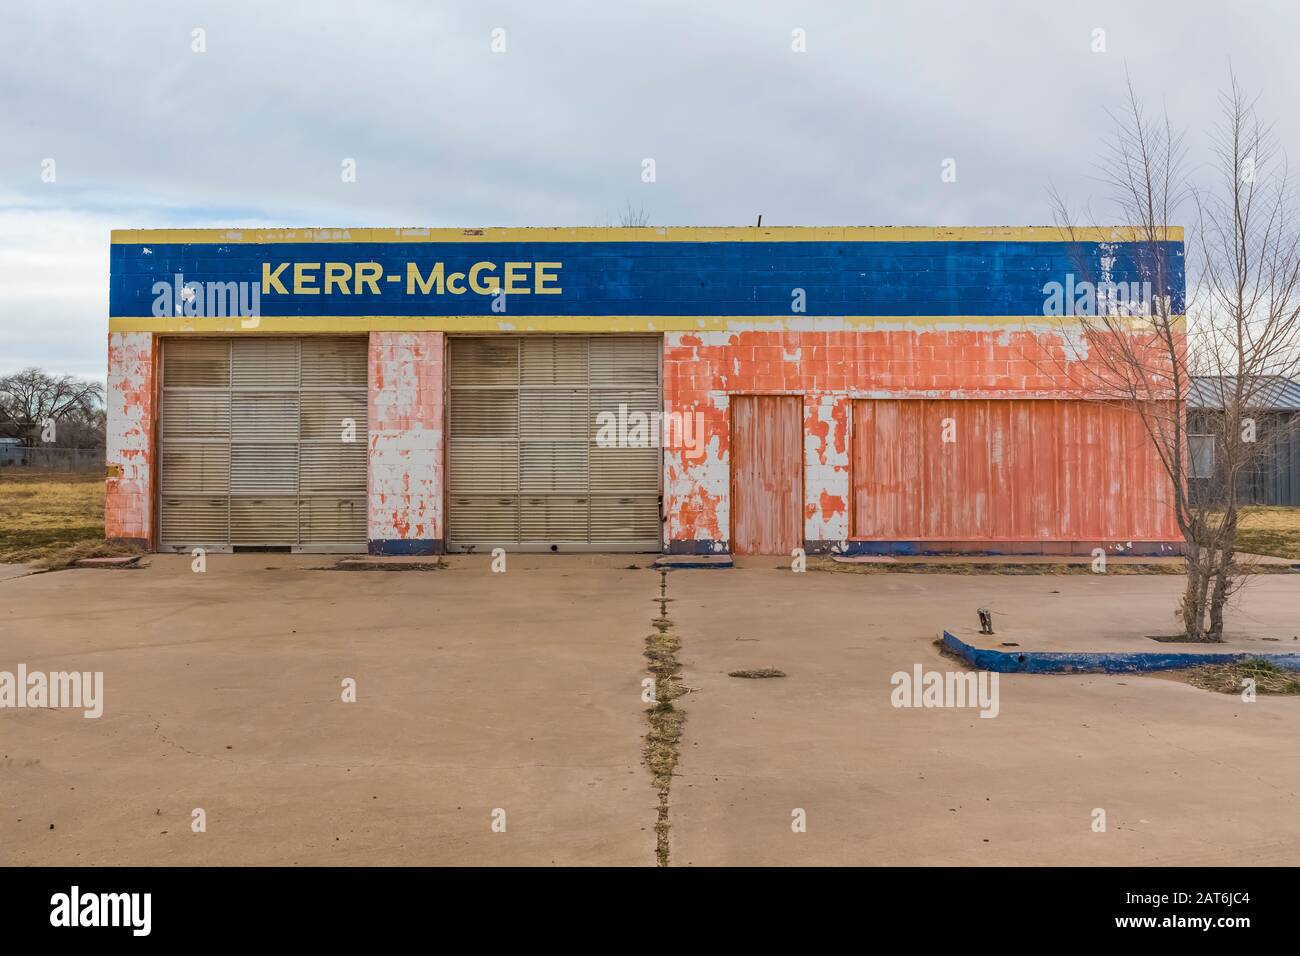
x=12, y=452
x=1274, y=476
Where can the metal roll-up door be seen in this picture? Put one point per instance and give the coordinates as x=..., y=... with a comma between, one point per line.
x=263, y=444
x=527, y=466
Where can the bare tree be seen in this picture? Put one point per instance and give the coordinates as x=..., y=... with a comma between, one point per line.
x=32, y=398
x=633, y=217
x=1239, y=331
x=1248, y=316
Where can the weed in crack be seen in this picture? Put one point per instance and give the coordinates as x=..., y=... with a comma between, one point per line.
x=664, y=737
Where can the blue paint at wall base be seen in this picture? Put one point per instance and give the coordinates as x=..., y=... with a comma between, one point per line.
x=1133, y=549
x=392, y=546
x=823, y=547
x=704, y=546
x=1049, y=662
x=937, y=549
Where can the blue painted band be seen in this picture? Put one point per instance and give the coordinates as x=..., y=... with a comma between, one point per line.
x=1051, y=662
x=995, y=278
x=392, y=546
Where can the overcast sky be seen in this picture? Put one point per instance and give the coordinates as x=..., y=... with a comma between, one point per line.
x=145, y=132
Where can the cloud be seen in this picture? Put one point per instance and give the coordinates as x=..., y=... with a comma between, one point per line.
x=146, y=132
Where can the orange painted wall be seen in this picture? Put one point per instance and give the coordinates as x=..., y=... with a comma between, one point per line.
x=1012, y=471
x=829, y=370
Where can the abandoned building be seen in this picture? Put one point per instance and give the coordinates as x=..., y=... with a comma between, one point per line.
x=686, y=390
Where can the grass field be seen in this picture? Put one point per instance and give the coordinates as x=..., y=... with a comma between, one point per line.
x=52, y=519
x=1274, y=531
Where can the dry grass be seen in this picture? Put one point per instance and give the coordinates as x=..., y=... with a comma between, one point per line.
x=1268, y=530
x=1227, y=678
x=66, y=557
x=52, y=520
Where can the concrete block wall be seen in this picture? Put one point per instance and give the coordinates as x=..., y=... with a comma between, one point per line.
x=131, y=404
x=406, y=443
x=826, y=488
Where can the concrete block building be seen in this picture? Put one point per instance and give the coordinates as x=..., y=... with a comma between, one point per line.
x=684, y=390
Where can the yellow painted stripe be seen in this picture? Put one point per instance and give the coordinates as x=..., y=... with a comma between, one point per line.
x=649, y=234
x=578, y=323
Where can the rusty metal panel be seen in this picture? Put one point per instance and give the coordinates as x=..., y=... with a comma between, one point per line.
x=766, y=473
x=1006, y=470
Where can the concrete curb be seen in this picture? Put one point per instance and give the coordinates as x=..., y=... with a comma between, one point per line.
x=680, y=562
x=1084, y=662
x=122, y=561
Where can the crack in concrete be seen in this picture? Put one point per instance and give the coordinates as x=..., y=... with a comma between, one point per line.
x=664, y=737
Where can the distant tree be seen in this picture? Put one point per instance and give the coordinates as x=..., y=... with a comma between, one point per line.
x=32, y=398
x=633, y=217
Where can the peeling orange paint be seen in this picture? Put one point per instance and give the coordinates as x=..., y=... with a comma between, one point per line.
x=699, y=516
x=840, y=413
x=406, y=436
x=830, y=369
x=130, y=415
x=832, y=505
x=821, y=431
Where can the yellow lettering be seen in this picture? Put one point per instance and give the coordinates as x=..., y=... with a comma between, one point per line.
x=413, y=279
x=303, y=283
x=543, y=275
x=456, y=283
x=515, y=274
x=270, y=278
x=337, y=275
x=367, y=273
x=475, y=270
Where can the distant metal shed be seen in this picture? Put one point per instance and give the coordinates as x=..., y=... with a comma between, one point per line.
x=1274, y=479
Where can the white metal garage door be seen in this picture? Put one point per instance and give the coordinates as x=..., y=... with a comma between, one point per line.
x=255, y=445
x=526, y=468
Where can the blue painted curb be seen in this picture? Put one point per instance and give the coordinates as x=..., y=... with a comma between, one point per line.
x=1049, y=662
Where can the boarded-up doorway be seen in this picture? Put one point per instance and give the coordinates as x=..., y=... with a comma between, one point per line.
x=766, y=474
